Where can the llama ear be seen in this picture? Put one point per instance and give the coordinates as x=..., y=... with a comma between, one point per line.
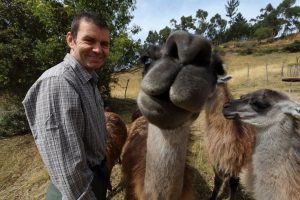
x=223, y=79
x=292, y=109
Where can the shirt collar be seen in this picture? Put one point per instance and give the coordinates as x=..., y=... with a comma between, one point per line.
x=80, y=71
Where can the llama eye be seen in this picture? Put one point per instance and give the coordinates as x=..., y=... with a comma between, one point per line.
x=259, y=106
x=148, y=61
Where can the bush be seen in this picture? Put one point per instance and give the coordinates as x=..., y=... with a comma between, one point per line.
x=219, y=50
x=263, y=33
x=246, y=51
x=13, y=122
x=293, y=47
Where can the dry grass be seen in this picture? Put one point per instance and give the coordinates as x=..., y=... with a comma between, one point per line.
x=23, y=175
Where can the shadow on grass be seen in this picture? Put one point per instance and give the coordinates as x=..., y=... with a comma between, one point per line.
x=201, y=187
x=204, y=191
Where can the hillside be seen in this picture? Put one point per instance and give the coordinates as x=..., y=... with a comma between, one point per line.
x=23, y=175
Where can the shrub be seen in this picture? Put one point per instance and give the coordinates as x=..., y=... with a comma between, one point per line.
x=293, y=47
x=247, y=51
x=219, y=50
x=263, y=33
x=13, y=122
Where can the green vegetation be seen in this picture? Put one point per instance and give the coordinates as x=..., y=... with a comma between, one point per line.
x=293, y=47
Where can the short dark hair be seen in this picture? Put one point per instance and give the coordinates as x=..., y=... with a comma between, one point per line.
x=89, y=17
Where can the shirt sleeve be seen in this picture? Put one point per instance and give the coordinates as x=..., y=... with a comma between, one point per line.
x=56, y=118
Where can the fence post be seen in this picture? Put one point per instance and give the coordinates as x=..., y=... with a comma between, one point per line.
x=126, y=87
x=282, y=67
x=267, y=75
x=248, y=71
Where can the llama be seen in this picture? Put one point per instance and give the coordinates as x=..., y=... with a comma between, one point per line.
x=117, y=134
x=274, y=172
x=229, y=143
x=173, y=92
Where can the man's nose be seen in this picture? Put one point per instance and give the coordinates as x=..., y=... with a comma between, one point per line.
x=97, y=48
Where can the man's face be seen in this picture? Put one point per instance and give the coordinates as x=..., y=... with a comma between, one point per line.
x=91, y=47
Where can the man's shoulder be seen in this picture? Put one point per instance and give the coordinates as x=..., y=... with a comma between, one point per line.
x=61, y=70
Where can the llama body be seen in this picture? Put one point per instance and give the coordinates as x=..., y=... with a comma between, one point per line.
x=229, y=142
x=274, y=172
x=173, y=92
x=135, y=176
x=117, y=134
x=275, y=167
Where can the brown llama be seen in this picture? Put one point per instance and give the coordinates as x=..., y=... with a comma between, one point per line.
x=173, y=92
x=117, y=134
x=229, y=143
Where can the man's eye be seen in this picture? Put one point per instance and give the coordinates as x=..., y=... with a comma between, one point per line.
x=89, y=41
x=104, y=44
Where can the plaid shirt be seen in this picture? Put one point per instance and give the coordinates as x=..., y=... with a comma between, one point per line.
x=66, y=116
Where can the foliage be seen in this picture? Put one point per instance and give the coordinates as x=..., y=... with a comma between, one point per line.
x=13, y=122
x=202, y=26
x=29, y=43
x=289, y=16
x=231, y=9
x=216, y=29
x=284, y=20
x=247, y=51
x=32, y=37
x=263, y=33
x=293, y=47
x=240, y=29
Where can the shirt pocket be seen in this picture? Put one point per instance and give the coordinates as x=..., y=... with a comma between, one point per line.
x=51, y=129
x=51, y=123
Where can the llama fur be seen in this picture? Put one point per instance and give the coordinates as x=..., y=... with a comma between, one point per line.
x=229, y=143
x=274, y=172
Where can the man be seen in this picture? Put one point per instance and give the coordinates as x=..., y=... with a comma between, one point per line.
x=66, y=115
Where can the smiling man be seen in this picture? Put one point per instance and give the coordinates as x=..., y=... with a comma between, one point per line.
x=66, y=115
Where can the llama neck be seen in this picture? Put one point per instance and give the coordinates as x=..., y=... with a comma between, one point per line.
x=165, y=162
x=272, y=138
x=214, y=104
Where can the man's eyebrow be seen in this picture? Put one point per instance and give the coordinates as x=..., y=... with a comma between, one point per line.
x=87, y=37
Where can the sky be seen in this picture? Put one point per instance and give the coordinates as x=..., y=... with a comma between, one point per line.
x=156, y=14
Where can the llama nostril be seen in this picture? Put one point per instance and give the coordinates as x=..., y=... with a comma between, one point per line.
x=226, y=105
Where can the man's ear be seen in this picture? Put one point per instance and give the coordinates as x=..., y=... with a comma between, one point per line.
x=70, y=40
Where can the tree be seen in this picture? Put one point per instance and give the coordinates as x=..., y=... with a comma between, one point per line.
x=153, y=38
x=32, y=38
x=187, y=23
x=202, y=27
x=231, y=9
x=289, y=15
x=27, y=43
x=239, y=29
x=263, y=33
x=216, y=29
x=163, y=34
x=267, y=20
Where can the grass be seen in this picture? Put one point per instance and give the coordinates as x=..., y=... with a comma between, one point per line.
x=23, y=175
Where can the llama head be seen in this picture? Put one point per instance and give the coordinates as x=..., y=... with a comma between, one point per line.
x=262, y=108
x=179, y=77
